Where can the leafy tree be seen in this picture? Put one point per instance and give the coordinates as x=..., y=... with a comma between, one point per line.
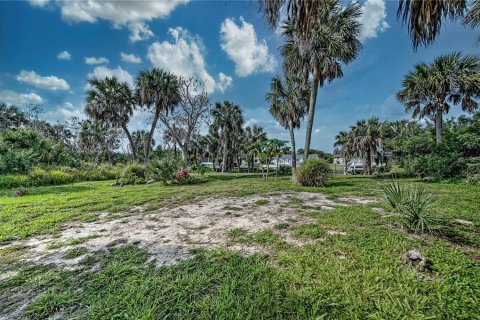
x=269, y=149
x=12, y=116
x=333, y=41
x=140, y=140
x=157, y=90
x=97, y=141
x=430, y=90
x=288, y=101
x=110, y=101
x=185, y=119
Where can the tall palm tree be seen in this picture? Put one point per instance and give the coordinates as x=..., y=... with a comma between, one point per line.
x=288, y=104
x=159, y=90
x=303, y=12
x=472, y=18
x=111, y=101
x=344, y=141
x=333, y=41
x=430, y=90
x=424, y=17
x=228, y=120
x=252, y=135
x=366, y=138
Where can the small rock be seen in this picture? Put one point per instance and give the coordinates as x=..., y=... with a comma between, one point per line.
x=464, y=222
x=416, y=259
x=150, y=181
x=414, y=255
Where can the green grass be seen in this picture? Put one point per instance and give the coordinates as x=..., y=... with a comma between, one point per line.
x=354, y=276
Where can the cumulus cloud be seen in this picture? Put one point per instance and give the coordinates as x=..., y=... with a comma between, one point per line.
x=12, y=97
x=49, y=82
x=130, y=14
x=241, y=45
x=64, y=55
x=38, y=3
x=64, y=111
x=185, y=57
x=101, y=72
x=94, y=61
x=373, y=19
x=130, y=58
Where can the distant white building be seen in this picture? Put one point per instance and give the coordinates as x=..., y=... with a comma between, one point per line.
x=286, y=159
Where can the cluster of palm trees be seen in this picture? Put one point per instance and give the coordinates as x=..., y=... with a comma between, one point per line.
x=364, y=140
x=320, y=37
x=110, y=101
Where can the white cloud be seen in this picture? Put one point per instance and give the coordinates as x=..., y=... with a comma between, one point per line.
x=185, y=57
x=223, y=82
x=12, y=97
x=373, y=19
x=49, y=82
x=64, y=112
x=93, y=60
x=130, y=58
x=242, y=47
x=64, y=55
x=38, y=3
x=130, y=14
x=101, y=72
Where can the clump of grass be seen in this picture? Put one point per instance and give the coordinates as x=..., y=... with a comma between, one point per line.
x=414, y=204
x=19, y=192
x=261, y=202
x=282, y=226
x=75, y=253
x=152, y=207
x=312, y=231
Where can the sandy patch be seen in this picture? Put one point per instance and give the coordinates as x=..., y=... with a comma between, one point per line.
x=170, y=232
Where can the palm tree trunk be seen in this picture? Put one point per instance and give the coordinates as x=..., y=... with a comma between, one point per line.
x=311, y=112
x=368, y=161
x=294, y=153
x=130, y=140
x=276, y=170
x=439, y=127
x=150, y=136
x=224, y=156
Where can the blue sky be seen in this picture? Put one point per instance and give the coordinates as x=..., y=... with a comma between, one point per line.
x=48, y=50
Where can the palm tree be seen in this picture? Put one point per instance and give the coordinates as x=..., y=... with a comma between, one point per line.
x=288, y=103
x=228, y=120
x=303, y=12
x=156, y=89
x=110, y=101
x=333, y=41
x=366, y=138
x=344, y=140
x=140, y=138
x=424, y=17
x=430, y=90
x=472, y=18
x=252, y=135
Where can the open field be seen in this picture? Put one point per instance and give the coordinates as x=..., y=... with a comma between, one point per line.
x=235, y=246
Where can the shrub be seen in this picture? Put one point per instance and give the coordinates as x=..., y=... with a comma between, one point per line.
x=414, y=205
x=181, y=176
x=284, y=171
x=39, y=177
x=164, y=169
x=19, y=192
x=133, y=174
x=201, y=169
x=314, y=173
x=473, y=171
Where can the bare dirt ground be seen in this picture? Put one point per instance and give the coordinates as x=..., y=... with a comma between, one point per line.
x=170, y=232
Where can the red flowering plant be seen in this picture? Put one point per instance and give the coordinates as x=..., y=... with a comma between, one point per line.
x=181, y=175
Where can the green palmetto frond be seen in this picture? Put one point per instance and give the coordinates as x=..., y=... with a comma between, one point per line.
x=424, y=17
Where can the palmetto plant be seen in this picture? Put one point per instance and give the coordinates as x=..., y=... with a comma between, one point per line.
x=332, y=41
x=414, y=205
x=111, y=102
x=288, y=104
x=157, y=90
x=430, y=89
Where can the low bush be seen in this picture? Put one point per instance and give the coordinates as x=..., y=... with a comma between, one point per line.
x=181, y=176
x=133, y=174
x=414, y=205
x=201, y=169
x=164, y=170
x=314, y=173
x=284, y=171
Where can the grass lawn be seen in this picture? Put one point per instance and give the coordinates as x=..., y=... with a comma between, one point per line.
x=356, y=275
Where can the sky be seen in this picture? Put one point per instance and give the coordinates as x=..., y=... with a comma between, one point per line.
x=49, y=49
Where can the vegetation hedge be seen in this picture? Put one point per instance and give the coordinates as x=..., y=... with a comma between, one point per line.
x=314, y=173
